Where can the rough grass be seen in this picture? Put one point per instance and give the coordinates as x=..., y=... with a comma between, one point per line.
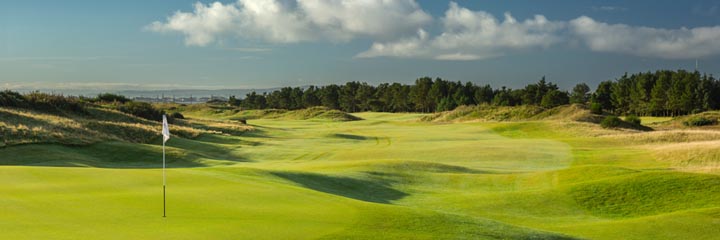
x=697, y=156
x=22, y=126
x=213, y=111
x=484, y=112
x=677, y=122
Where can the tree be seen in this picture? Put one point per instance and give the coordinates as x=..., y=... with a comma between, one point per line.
x=348, y=102
x=484, y=94
x=384, y=98
x=446, y=104
x=502, y=97
x=296, y=98
x=310, y=97
x=580, y=93
x=658, y=94
x=620, y=94
x=437, y=92
x=554, y=98
x=364, y=96
x=662, y=93
x=463, y=94
x=603, y=95
x=233, y=101
x=330, y=96
x=401, y=98
x=419, y=94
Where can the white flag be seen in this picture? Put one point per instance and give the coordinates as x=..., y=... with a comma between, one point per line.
x=165, y=130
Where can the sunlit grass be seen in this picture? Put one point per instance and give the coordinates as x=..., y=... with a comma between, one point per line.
x=390, y=176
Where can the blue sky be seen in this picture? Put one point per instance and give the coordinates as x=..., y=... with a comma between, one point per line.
x=246, y=44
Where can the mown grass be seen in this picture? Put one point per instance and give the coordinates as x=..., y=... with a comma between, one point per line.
x=390, y=176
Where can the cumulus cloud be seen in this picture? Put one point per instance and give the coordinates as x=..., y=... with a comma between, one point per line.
x=203, y=25
x=296, y=21
x=472, y=35
x=398, y=29
x=680, y=43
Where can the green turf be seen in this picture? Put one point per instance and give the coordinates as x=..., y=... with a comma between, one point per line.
x=386, y=177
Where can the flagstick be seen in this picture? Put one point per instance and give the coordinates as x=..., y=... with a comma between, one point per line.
x=166, y=136
x=163, y=177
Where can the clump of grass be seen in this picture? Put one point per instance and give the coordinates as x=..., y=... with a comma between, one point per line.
x=596, y=108
x=614, y=122
x=141, y=109
x=611, y=122
x=111, y=98
x=699, y=121
x=43, y=102
x=177, y=115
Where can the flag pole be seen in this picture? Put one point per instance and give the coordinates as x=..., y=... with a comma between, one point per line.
x=166, y=136
x=164, y=178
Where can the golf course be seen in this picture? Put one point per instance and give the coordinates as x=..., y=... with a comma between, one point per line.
x=331, y=175
x=359, y=119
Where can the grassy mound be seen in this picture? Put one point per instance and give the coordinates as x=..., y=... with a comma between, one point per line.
x=648, y=194
x=486, y=112
x=215, y=111
x=20, y=126
x=705, y=120
x=319, y=113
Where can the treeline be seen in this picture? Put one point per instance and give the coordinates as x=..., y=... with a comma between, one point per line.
x=426, y=95
x=662, y=93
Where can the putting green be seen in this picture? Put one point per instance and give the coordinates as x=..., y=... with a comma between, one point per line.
x=386, y=177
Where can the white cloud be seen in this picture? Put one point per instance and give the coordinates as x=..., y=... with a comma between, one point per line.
x=472, y=35
x=371, y=17
x=404, y=48
x=680, y=43
x=203, y=25
x=463, y=35
x=460, y=57
x=296, y=21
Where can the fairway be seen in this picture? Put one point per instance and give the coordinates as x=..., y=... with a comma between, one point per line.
x=388, y=176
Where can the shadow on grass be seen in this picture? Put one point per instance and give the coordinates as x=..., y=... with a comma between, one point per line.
x=348, y=136
x=227, y=140
x=180, y=153
x=258, y=132
x=363, y=190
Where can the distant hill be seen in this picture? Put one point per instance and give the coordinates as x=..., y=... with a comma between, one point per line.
x=133, y=93
x=239, y=93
